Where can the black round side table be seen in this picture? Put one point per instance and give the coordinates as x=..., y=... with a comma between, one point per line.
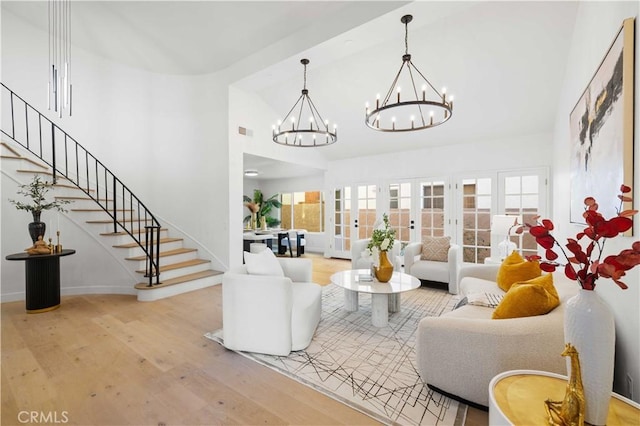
x=42, y=279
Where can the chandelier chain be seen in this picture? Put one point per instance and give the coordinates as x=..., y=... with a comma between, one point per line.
x=406, y=38
x=305, y=77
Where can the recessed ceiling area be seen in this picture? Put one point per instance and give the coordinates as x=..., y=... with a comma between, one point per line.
x=503, y=60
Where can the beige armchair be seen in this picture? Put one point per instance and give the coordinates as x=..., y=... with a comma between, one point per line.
x=430, y=270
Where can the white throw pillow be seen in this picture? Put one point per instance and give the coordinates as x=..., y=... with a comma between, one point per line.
x=263, y=263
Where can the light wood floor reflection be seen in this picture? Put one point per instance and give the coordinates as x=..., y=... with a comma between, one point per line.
x=111, y=360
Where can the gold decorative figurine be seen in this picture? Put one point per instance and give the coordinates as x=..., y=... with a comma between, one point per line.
x=39, y=247
x=569, y=411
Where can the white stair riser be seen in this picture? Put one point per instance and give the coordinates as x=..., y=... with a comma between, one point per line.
x=164, y=292
x=17, y=164
x=137, y=251
x=140, y=264
x=168, y=275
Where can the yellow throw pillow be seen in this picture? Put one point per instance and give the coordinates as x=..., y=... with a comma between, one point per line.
x=515, y=269
x=529, y=298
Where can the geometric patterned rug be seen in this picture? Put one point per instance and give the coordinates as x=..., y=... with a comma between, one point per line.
x=370, y=369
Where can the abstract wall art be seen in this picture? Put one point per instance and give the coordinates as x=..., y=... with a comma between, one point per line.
x=601, y=126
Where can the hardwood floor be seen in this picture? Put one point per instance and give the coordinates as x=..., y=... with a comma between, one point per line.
x=111, y=360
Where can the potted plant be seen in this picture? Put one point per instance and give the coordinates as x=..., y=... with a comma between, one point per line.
x=260, y=208
x=382, y=241
x=36, y=191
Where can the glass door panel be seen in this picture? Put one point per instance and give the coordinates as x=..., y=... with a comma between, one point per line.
x=366, y=212
x=524, y=195
x=400, y=212
x=476, y=219
x=432, y=209
x=342, y=222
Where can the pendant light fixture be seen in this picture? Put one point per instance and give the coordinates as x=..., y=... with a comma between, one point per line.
x=59, y=89
x=303, y=126
x=413, y=110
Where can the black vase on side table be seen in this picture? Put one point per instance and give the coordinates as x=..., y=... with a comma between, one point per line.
x=37, y=228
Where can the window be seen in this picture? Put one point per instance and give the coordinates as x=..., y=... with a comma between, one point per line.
x=523, y=197
x=303, y=210
x=476, y=220
x=432, y=209
x=400, y=210
x=366, y=210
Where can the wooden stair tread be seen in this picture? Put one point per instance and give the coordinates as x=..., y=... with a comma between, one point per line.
x=19, y=157
x=173, y=266
x=165, y=253
x=43, y=172
x=162, y=241
x=179, y=280
x=120, y=233
x=65, y=197
x=108, y=221
x=10, y=148
x=100, y=210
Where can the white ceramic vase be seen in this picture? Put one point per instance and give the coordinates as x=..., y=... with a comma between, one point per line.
x=589, y=327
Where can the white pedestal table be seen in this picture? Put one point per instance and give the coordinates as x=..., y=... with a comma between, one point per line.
x=385, y=297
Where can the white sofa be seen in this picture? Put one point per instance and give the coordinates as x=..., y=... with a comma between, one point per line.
x=443, y=272
x=270, y=314
x=459, y=352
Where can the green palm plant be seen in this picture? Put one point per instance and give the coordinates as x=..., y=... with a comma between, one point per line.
x=264, y=207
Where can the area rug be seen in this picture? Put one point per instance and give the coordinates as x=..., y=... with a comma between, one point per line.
x=371, y=369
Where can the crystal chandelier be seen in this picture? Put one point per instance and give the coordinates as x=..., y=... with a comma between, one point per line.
x=59, y=88
x=316, y=133
x=423, y=110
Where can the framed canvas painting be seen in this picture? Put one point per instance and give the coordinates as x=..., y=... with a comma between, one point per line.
x=601, y=126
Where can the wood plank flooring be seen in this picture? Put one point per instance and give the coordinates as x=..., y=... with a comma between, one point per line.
x=111, y=360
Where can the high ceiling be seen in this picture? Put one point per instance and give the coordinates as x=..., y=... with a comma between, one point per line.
x=504, y=61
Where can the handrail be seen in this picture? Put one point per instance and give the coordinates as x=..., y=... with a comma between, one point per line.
x=89, y=174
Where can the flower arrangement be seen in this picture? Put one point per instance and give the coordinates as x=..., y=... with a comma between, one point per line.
x=587, y=265
x=383, y=236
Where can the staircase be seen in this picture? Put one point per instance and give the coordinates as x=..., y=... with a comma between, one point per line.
x=168, y=267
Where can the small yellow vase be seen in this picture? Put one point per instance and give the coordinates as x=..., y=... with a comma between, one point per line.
x=385, y=270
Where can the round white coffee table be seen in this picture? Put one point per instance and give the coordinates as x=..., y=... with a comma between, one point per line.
x=385, y=297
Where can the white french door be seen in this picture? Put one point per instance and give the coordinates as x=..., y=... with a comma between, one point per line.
x=420, y=207
x=354, y=217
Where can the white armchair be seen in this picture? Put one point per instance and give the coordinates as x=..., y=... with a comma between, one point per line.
x=270, y=314
x=361, y=259
x=444, y=272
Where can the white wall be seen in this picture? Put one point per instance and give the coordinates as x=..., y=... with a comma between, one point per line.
x=447, y=160
x=165, y=137
x=108, y=274
x=597, y=24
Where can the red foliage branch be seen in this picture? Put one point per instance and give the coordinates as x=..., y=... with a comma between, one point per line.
x=582, y=264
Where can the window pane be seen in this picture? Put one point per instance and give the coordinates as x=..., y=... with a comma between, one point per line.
x=530, y=184
x=512, y=185
x=476, y=237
